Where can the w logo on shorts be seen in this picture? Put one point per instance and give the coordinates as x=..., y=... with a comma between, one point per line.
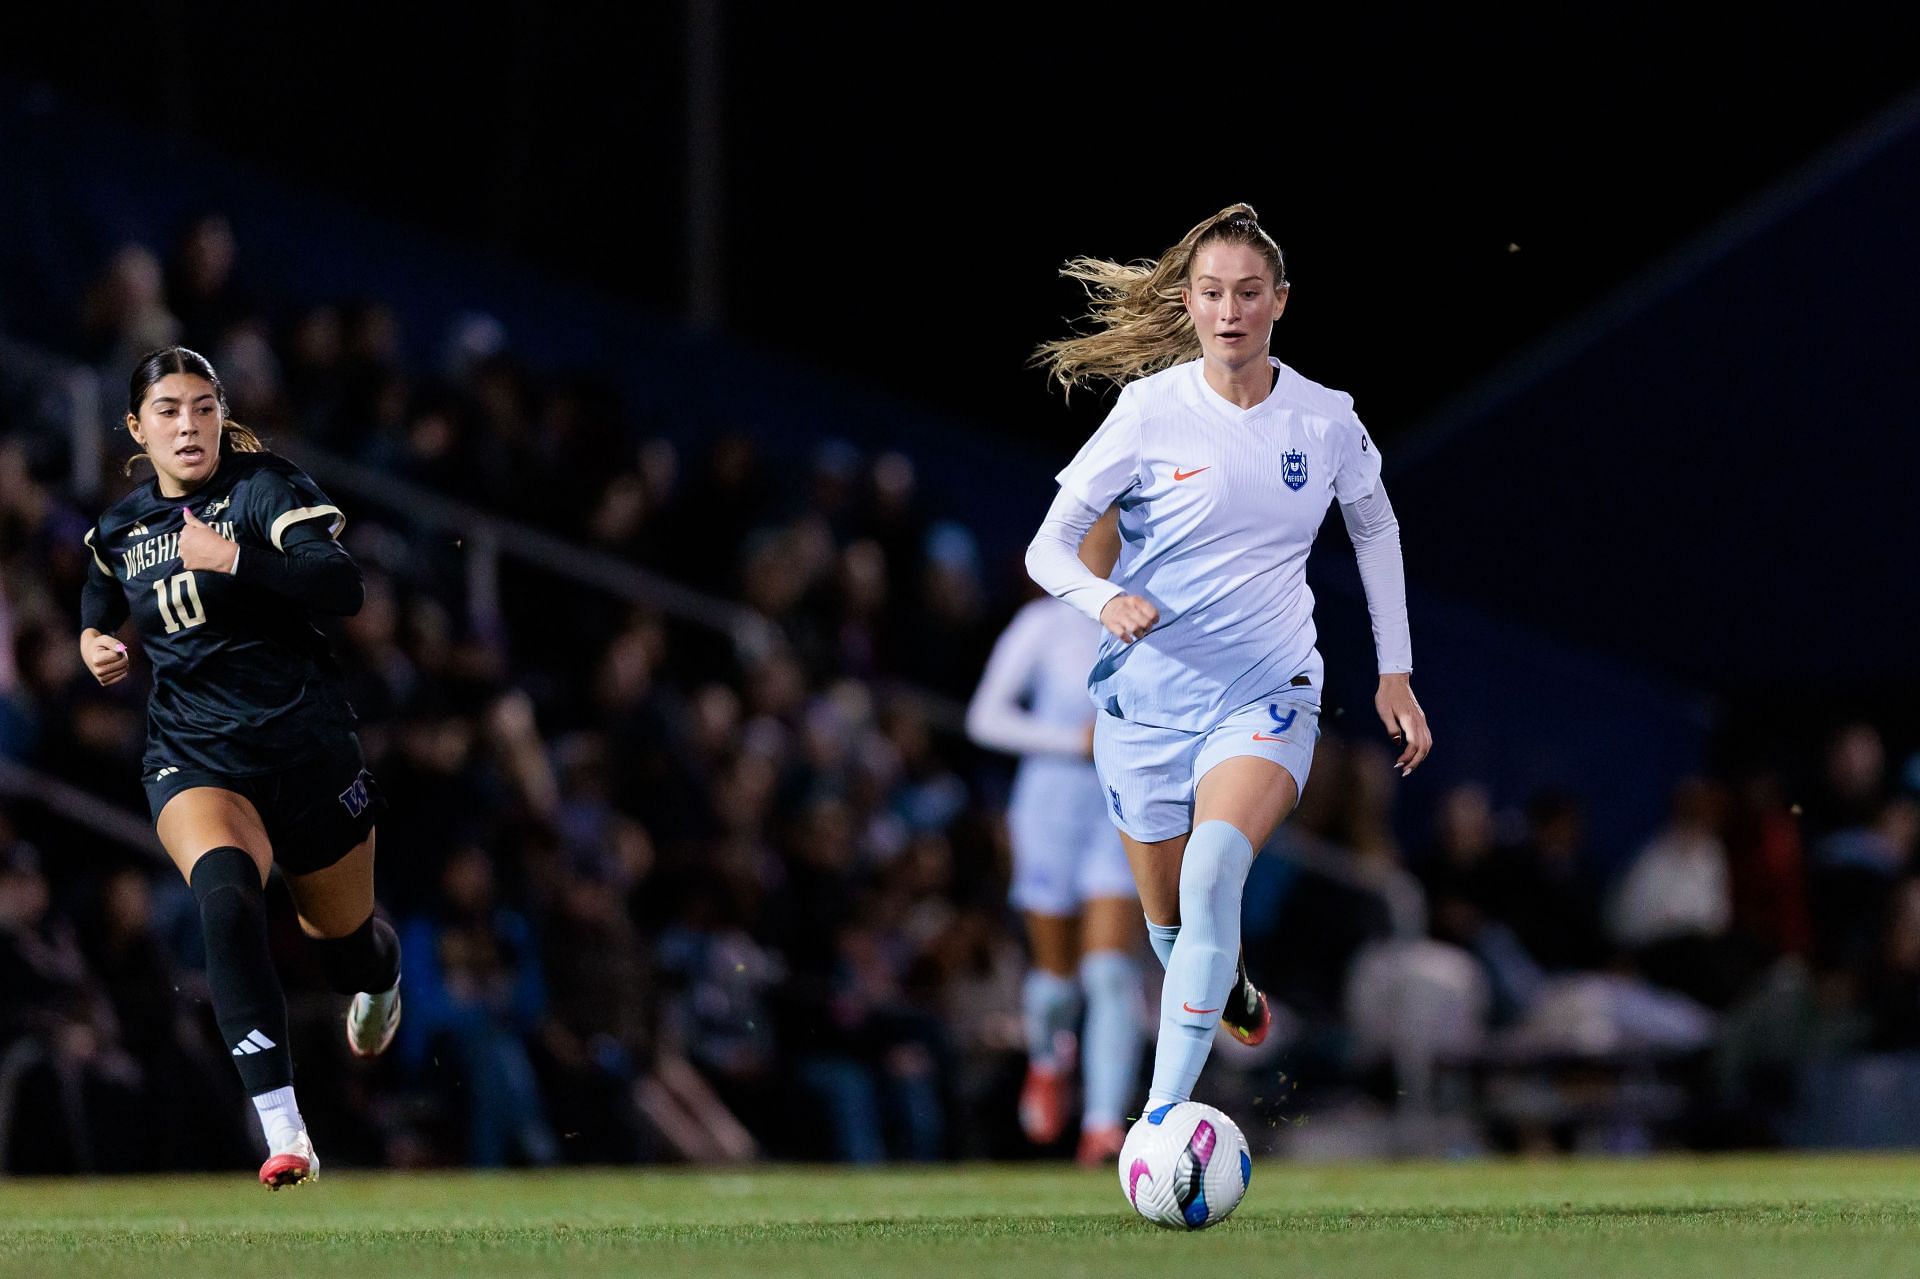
x=355, y=798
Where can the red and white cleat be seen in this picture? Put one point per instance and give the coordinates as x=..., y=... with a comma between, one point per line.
x=1100, y=1145
x=371, y=1021
x=291, y=1166
x=1043, y=1105
x=1246, y=1015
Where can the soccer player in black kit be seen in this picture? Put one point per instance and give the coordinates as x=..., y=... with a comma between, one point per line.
x=222, y=560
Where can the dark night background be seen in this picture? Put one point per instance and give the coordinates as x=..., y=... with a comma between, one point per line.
x=899, y=185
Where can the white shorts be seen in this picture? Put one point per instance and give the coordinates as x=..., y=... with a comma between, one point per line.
x=1064, y=850
x=1150, y=774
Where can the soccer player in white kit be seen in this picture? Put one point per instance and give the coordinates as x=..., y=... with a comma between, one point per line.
x=1071, y=881
x=1222, y=461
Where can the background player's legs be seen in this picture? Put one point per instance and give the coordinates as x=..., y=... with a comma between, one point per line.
x=216, y=839
x=1110, y=978
x=359, y=953
x=1237, y=805
x=1049, y=1007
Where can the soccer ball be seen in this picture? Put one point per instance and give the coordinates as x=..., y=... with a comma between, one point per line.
x=1185, y=1166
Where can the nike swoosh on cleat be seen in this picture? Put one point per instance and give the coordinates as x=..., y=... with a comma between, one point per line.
x=1202, y=1011
x=1179, y=474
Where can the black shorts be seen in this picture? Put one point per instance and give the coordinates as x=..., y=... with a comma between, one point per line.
x=315, y=812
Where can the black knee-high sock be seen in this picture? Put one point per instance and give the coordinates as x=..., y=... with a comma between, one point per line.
x=247, y=1000
x=368, y=958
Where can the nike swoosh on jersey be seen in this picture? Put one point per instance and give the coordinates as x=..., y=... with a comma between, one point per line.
x=1262, y=737
x=1179, y=474
x=1203, y=1011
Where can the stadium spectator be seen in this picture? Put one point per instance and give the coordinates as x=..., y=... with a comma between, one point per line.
x=59, y=1041
x=202, y=291
x=1677, y=885
x=1545, y=891
x=476, y=996
x=1767, y=867
x=1673, y=909
x=599, y=1034
x=125, y=312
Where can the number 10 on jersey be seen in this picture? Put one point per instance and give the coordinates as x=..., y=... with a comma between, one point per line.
x=187, y=610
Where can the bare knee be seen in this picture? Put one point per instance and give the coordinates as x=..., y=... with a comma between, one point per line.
x=331, y=929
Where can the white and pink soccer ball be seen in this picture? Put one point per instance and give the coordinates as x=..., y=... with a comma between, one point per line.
x=1185, y=1166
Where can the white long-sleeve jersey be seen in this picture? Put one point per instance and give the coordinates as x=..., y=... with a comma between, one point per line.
x=1219, y=507
x=1032, y=698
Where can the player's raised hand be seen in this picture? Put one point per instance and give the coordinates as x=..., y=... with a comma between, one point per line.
x=105, y=656
x=1400, y=711
x=202, y=548
x=1129, y=617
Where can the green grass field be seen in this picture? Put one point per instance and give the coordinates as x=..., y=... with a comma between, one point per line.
x=1804, y=1218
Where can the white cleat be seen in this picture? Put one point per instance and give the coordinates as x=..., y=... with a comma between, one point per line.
x=371, y=1021
x=291, y=1166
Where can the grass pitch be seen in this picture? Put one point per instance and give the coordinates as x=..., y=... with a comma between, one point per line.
x=1801, y=1218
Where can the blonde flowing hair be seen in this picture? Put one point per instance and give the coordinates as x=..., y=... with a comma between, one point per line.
x=154, y=365
x=1140, y=324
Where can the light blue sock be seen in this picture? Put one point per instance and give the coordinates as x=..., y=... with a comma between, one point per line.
x=1161, y=937
x=1112, y=1058
x=1200, y=974
x=1049, y=1005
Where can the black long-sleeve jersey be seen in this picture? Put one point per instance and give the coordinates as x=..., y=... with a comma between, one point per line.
x=243, y=682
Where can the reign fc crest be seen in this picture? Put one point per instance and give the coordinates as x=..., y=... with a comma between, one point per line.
x=1293, y=469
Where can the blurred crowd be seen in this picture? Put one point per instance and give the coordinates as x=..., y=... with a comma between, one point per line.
x=661, y=897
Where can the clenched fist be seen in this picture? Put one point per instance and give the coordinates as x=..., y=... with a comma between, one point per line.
x=1129, y=617
x=203, y=549
x=105, y=656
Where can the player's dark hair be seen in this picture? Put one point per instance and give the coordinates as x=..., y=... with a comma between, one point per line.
x=154, y=365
